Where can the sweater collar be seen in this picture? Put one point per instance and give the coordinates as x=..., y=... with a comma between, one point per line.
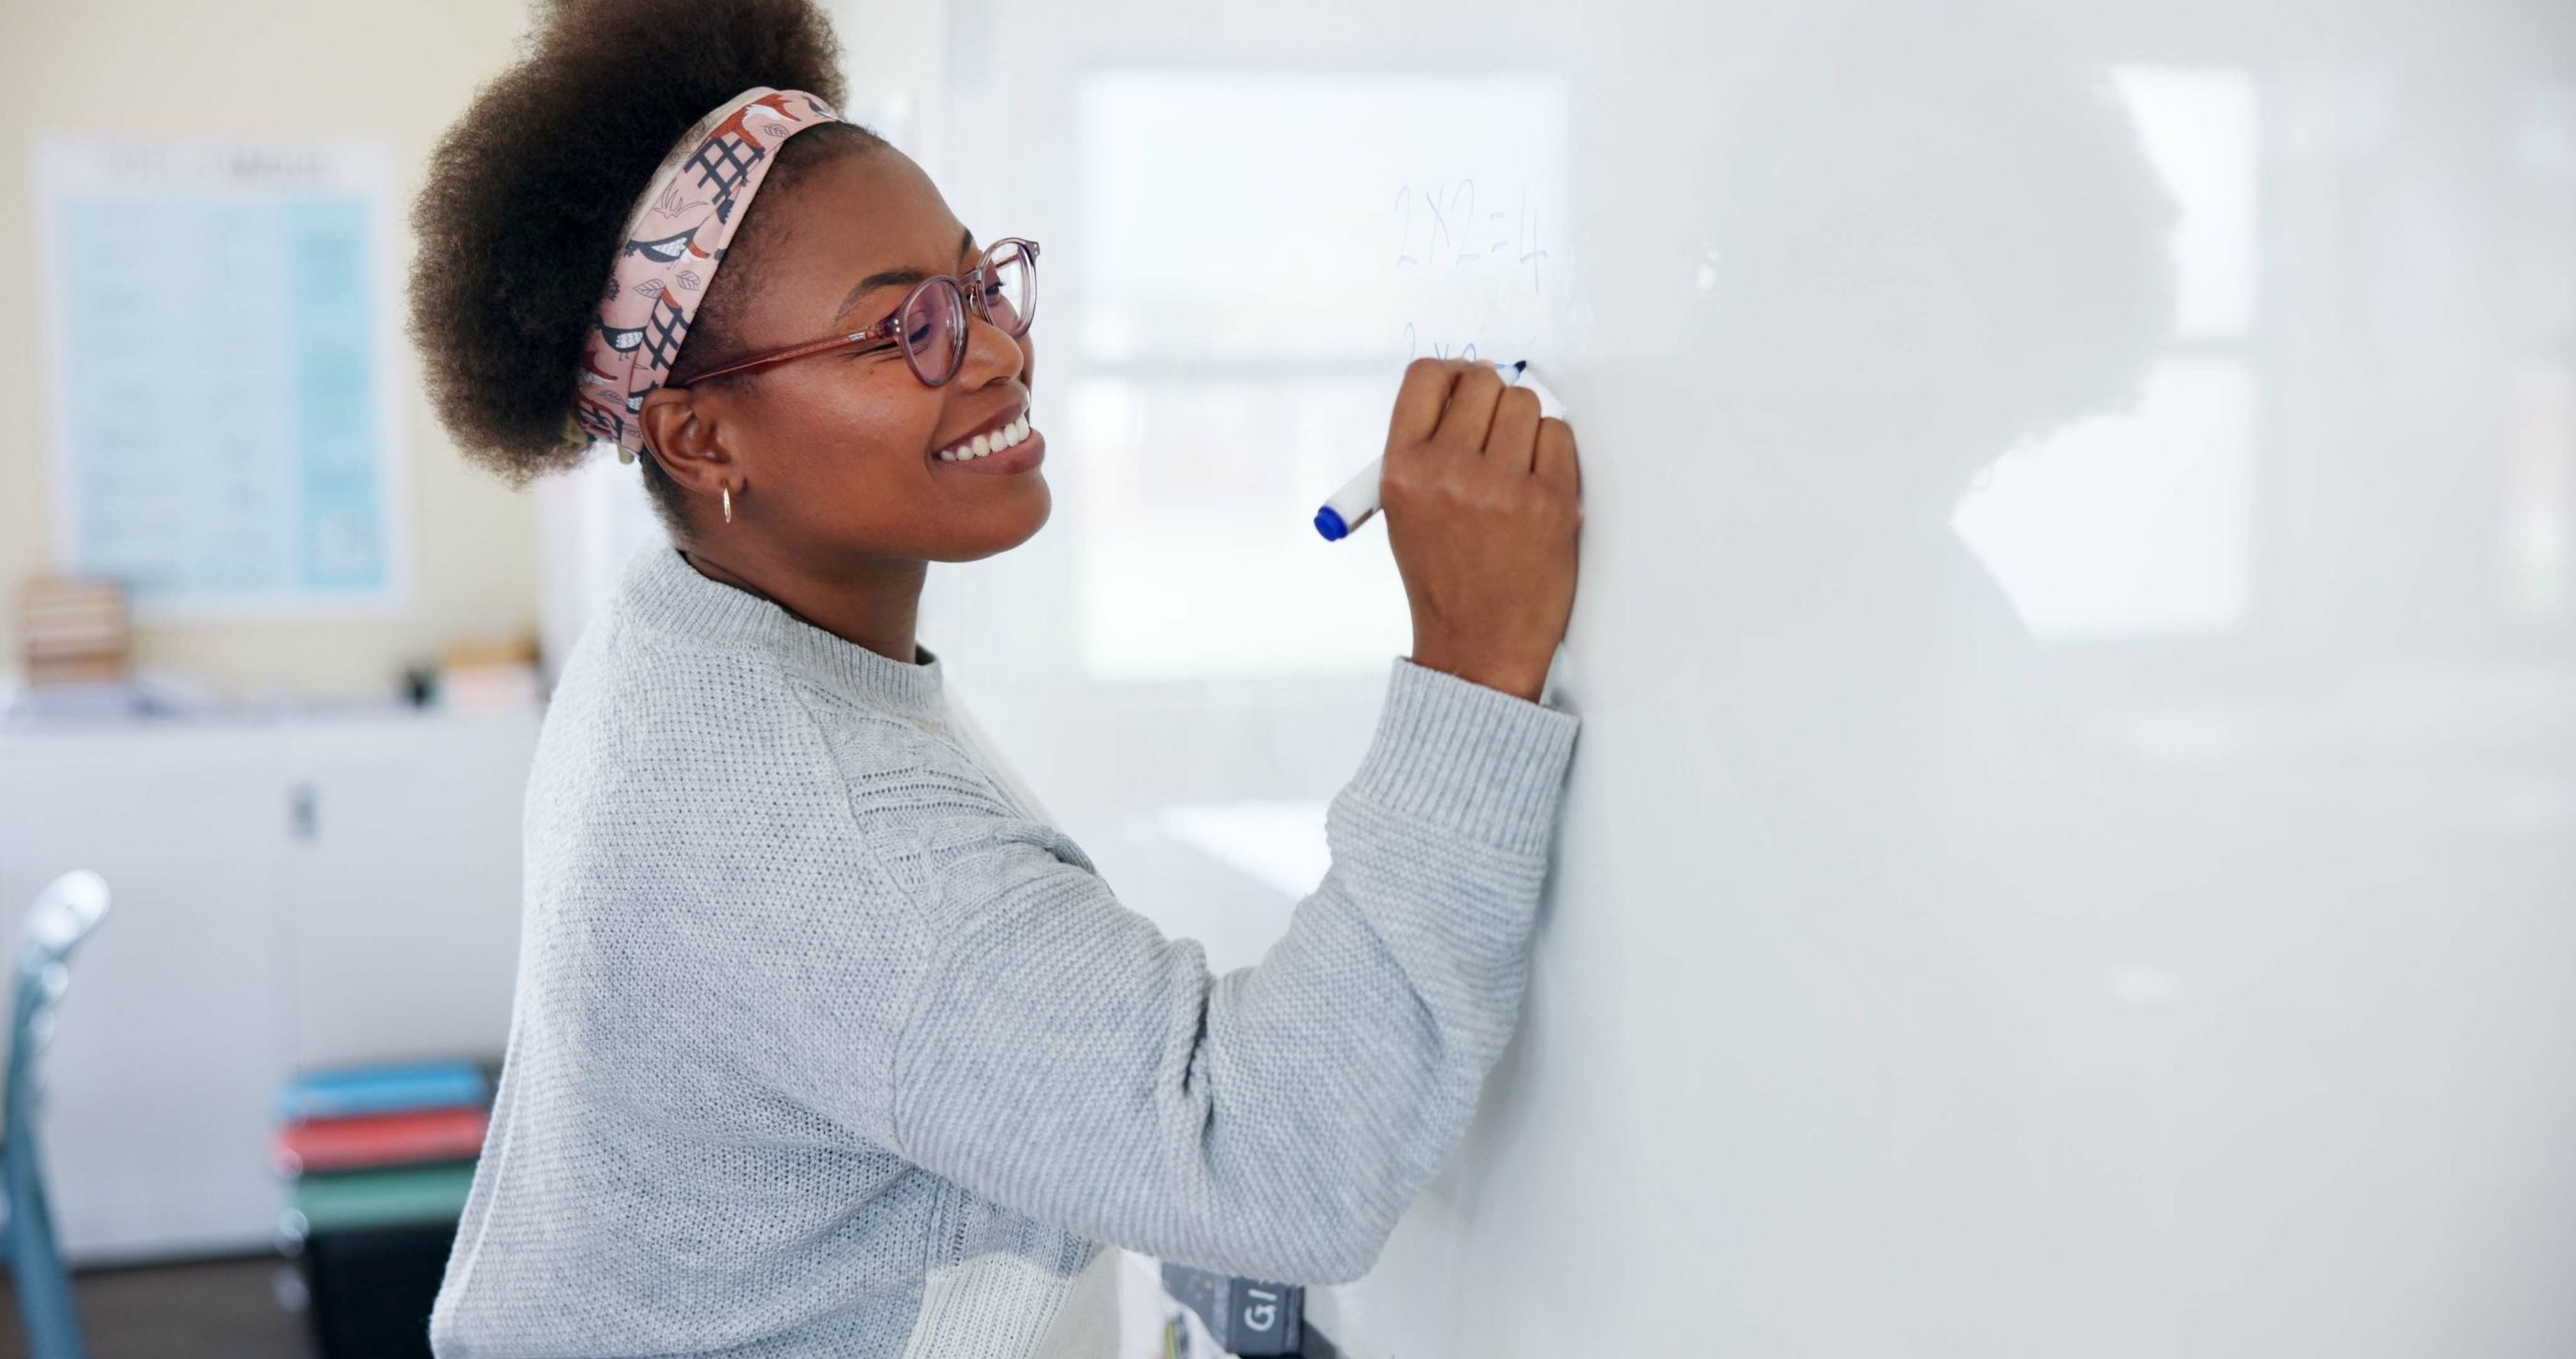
x=661, y=590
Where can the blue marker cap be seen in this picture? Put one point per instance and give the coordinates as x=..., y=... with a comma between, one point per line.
x=1328, y=522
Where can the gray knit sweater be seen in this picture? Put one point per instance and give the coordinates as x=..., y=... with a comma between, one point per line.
x=825, y=1043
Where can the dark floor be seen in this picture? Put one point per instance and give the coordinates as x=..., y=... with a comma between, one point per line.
x=218, y=1309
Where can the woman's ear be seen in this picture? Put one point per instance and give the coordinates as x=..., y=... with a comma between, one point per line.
x=683, y=433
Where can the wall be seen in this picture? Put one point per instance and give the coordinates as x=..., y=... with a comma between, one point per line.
x=401, y=71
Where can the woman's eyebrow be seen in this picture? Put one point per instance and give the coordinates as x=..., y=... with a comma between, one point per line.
x=886, y=278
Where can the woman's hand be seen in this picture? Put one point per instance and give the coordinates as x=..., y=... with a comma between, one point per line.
x=1483, y=506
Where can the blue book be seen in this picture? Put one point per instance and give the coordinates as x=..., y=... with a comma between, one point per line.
x=391, y=1088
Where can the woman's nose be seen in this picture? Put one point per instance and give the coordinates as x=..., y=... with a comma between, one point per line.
x=992, y=354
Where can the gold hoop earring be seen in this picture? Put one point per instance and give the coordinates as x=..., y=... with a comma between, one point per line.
x=728, y=504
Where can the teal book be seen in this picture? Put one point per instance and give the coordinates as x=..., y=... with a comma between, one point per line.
x=398, y=1195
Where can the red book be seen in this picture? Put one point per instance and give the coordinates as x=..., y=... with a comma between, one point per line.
x=379, y=1140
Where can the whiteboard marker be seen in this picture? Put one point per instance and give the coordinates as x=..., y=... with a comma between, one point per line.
x=1352, y=505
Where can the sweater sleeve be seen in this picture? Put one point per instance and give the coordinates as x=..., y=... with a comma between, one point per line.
x=1062, y=1058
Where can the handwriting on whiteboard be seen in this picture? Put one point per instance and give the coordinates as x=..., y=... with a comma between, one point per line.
x=1440, y=349
x=1440, y=227
x=1443, y=230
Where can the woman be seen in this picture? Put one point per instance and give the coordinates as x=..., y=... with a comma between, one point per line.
x=823, y=1044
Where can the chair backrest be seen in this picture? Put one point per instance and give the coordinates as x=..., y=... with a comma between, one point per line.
x=64, y=914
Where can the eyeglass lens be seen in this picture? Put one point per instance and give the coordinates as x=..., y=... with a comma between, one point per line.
x=934, y=333
x=934, y=324
x=1010, y=288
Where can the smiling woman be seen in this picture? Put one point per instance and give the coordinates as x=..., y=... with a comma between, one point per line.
x=824, y=1041
x=614, y=258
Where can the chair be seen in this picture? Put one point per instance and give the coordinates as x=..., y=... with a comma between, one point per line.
x=64, y=914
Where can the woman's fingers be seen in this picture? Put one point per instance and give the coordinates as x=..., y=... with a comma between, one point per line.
x=1511, y=443
x=1419, y=402
x=1471, y=408
x=1555, y=463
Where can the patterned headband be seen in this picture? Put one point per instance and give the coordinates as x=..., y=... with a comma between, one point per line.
x=674, y=240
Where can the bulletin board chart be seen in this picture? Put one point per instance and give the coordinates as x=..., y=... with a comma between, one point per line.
x=222, y=372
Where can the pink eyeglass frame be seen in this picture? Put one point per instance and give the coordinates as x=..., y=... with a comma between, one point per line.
x=890, y=330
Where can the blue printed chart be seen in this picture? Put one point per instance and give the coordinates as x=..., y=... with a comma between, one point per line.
x=221, y=362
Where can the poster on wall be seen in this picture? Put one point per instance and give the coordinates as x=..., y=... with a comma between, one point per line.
x=222, y=363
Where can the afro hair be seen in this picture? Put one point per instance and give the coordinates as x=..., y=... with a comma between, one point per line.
x=527, y=193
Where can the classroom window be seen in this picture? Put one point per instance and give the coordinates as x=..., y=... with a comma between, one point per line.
x=2537, y=569
x=1234, y=365
x=2140, y=523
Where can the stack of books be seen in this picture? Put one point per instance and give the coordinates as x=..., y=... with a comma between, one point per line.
x=73, y=630
x=488, y=674
x=378, y=1160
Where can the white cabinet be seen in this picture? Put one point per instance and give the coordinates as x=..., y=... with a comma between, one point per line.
x=402, y=887
x=287, y=893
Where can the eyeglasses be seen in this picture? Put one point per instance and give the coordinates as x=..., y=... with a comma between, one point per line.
x=930, y=326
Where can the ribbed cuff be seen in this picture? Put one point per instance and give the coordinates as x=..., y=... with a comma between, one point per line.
x=1472, y=759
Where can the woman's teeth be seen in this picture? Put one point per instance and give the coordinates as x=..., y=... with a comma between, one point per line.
x=986, y=445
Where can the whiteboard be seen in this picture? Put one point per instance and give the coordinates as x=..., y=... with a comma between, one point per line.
x=2072, y=843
